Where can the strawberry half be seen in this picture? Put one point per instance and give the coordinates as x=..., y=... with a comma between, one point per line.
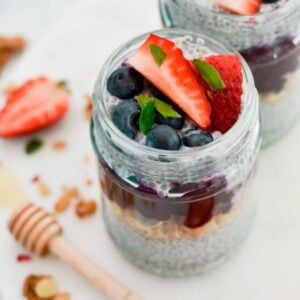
x=242, y=7
x=174, y=77
x=36, y=104
x=226, y=103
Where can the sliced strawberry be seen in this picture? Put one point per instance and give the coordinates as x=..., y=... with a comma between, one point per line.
x=175, y=78
x=226, y=103
x=242, y=7
x=36, y=104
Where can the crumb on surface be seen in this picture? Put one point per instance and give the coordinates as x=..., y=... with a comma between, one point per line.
x=35, y=179
x=85, y=208
x=9, y=47
x=23, y=258
x=87, y=158
x=59, y=145
x=88, y=107
x=64, y=201
x=89, y=182
x=70, y=195
x=44, y=189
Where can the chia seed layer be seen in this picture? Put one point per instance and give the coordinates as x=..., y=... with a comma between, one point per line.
x=170, y=249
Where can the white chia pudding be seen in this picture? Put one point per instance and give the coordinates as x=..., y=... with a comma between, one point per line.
x=180, y=210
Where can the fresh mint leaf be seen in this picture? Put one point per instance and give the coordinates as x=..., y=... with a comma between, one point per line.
x=147, y=117
x=165, y=109
x=158, y=54
x=33, y=145
x=143, y=100
x=210, y=75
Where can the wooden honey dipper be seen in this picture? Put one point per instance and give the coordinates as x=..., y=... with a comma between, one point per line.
x=39, y=231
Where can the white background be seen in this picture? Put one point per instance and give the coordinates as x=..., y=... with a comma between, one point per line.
x=71, y=39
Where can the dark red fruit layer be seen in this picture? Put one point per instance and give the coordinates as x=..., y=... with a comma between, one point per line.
x=271, y=64
x=150, y=205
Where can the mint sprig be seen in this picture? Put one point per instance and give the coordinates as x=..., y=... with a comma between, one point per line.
x=33, y=145
x=147, y=116
x=143, y=100
x=158, y=54
x=210, y=74
x=165, y=109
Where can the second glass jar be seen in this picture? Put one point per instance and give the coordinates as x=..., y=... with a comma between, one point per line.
x=269, y=41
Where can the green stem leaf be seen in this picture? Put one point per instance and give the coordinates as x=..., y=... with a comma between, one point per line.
x=158, y=54
x=165, y=109
x=210, y=74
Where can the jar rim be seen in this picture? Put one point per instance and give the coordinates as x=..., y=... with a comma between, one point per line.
x=228, y=140
x=284, y=10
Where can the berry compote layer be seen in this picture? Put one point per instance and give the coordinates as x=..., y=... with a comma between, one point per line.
x=176, y=132
x=267, y=35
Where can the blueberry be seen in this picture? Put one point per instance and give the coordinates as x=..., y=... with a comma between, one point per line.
x=125, y=116
x=125, y=83
x=196, y=138
x=176, y=123
x=163, y=137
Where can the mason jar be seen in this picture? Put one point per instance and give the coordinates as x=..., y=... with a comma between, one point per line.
x=269, y=41
x=176, y=213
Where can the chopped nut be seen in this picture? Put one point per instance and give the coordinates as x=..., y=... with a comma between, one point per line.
x=10, y=46
x=89, y=182
x=64, y=296
x=46, y=288
x=87, y=158
x=88, y=107
x=64, y=201
x=44, y=190
x=59, y=145
x=85, y=208
x=29, y=286
x=62, y=204
x=42, y=287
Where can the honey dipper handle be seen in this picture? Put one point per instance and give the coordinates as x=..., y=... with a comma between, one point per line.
x=109, y=286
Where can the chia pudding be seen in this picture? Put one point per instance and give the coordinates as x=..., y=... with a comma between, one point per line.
x=267, y=36
x=176, y=166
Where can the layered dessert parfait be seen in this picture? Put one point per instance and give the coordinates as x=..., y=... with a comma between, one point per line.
x=176, y=132
x=266, y=32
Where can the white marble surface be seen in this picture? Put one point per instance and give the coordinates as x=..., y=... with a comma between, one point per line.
x=72, y=41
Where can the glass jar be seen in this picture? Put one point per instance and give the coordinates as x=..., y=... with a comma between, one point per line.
x=269, y=41
x=176, y=213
